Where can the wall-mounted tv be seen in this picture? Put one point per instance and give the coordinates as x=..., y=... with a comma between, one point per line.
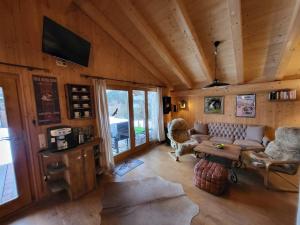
x=62, y=43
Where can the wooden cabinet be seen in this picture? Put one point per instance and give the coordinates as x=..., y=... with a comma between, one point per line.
x=80, y=175
x=89, y=168
x=73, y=170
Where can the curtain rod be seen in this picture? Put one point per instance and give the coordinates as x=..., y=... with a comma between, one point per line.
x=104, y=78
x=24, y=66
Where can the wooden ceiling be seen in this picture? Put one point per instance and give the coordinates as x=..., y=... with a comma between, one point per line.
x=173, y=39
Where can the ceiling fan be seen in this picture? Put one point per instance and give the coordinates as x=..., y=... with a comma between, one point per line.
x=216, y=82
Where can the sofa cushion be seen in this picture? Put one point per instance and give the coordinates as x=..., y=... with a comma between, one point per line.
x=200, y=137
x=221, y=140
x=227, y=130
x=200, y=128
x=255, y=133
x=247, y=144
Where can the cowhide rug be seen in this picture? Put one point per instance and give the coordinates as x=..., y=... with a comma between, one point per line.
x=149, y=201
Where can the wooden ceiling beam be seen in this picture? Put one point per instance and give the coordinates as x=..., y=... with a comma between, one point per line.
x=141, y=24
x=191, y=33
x=88, y=8
x=288, y=45
x=235, y=16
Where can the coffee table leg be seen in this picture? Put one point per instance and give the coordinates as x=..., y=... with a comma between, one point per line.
x=238, y=164
x=233, y=176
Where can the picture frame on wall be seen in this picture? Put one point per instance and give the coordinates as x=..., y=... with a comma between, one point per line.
x=214, y=104
x=246, y=105
x=46, y=99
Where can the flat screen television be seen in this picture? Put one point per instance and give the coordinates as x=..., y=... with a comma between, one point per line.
x=62, y=43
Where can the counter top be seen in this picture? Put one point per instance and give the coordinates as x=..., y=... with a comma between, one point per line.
x=48, y=152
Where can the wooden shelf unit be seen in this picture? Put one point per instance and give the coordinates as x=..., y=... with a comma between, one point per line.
x=282, y=95
x=79, y=101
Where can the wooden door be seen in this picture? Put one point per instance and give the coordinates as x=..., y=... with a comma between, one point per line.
x=75, y=176
x=14, y=176
x=89, y=168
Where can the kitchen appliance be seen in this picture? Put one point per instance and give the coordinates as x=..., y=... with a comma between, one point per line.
x=60, y=138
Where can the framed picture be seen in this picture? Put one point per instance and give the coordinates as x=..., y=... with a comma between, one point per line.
x=214, y=104
x=246, y=105
x=46, y=100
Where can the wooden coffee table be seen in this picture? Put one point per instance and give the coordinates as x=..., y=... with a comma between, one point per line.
x=229, y=156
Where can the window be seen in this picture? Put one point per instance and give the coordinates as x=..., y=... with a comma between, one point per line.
x=119, y=119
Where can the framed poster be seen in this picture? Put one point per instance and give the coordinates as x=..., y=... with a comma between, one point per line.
x=246, y=105
x=214, y=104
x=46, y=100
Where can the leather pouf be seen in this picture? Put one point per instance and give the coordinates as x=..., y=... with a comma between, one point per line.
x=210, y=176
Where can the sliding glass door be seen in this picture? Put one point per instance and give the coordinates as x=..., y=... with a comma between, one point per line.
x=133, y=118
x=119, y=119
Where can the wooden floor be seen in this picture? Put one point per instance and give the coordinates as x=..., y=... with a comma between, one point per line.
x=245, y=203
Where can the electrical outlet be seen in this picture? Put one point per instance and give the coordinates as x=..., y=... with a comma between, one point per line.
x=42, y=141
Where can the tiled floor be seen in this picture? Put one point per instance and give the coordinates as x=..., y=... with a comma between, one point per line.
x=8, y=186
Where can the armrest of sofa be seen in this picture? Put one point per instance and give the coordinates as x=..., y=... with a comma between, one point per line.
x=265, y=141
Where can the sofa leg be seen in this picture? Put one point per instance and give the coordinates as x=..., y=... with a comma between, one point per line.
x=177, y=158
x=266, y=177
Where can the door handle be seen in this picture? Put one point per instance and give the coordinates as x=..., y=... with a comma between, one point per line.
x=11, y=139
x=85, y=155
x=79, y=157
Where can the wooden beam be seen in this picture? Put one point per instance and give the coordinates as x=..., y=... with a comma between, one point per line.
x=191, y=33
x=235, y=15
x=141, y=24
x=238, y=89
x=290, y=41
x=92, y=12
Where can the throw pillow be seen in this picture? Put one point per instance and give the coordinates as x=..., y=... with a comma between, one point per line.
x=201, y=128
x=255, y=133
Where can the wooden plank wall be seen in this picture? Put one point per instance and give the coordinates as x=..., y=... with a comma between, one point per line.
x=270, y=114
x=20, y=42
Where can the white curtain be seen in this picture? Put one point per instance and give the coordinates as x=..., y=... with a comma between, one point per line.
x=160, y=117
x=153, y=111
x=107, y=159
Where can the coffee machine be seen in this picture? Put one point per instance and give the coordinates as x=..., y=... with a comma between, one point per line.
x=60, y=138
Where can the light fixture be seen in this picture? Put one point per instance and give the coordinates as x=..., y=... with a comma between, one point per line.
x=182, y=104
x=216, y=82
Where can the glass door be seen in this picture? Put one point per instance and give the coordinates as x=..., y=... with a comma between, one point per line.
x=133, y=118
x=14, y=181
x=139, y=116
x=119, y=119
